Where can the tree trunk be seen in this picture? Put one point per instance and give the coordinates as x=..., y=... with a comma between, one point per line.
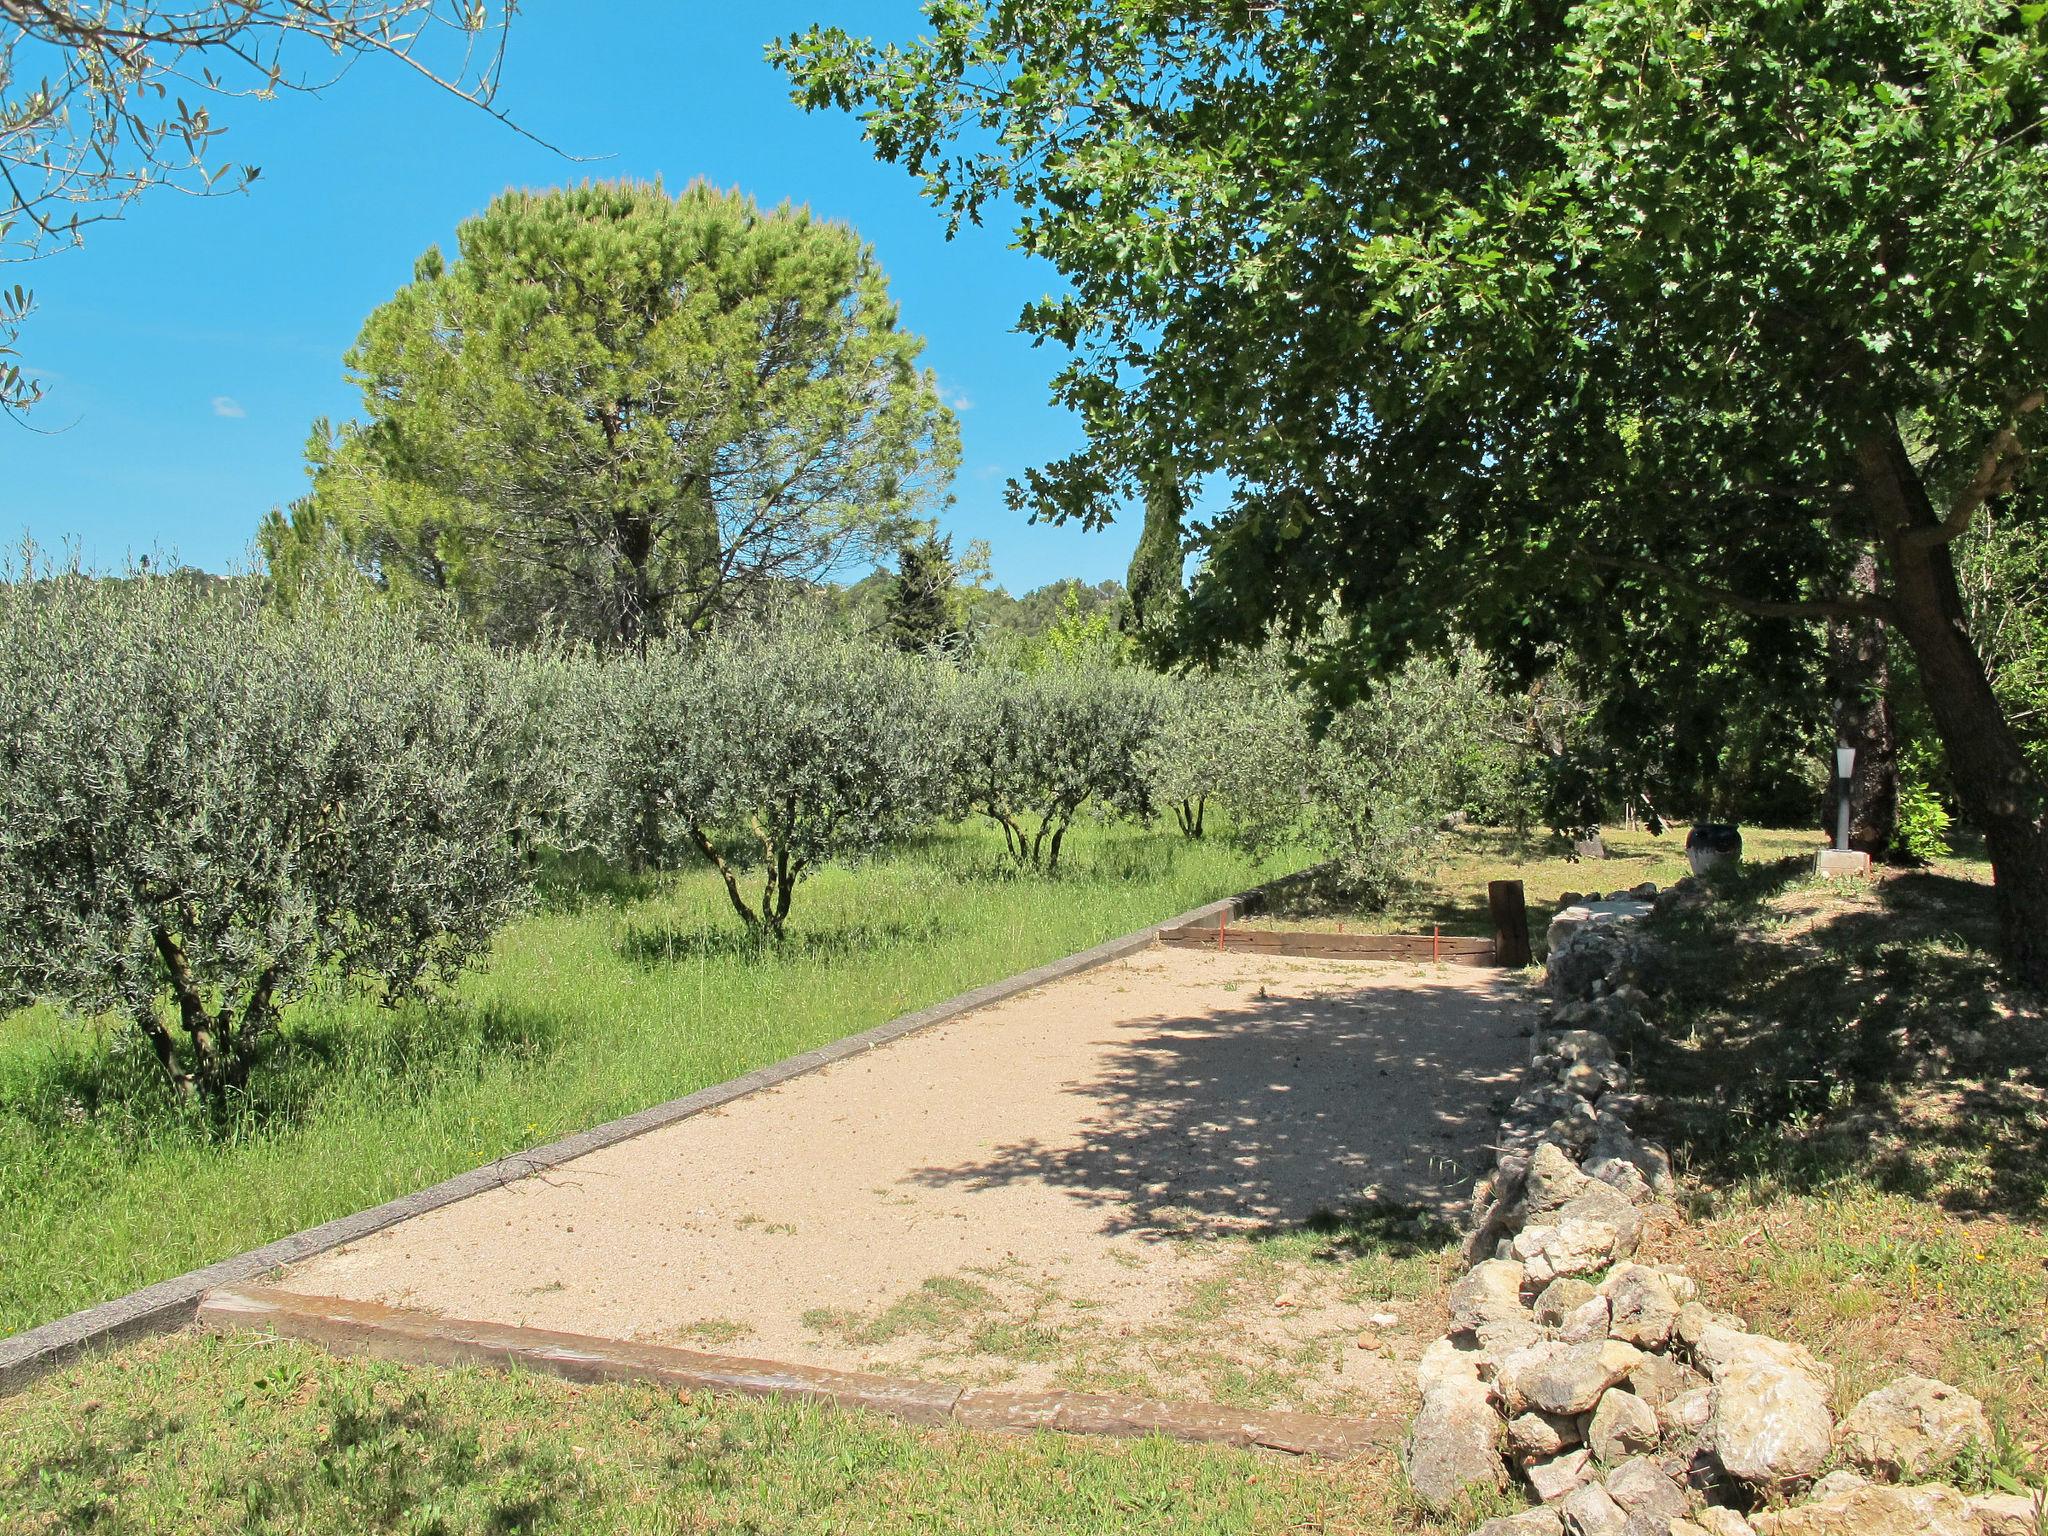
x=2000, y=793
x=1861, y=675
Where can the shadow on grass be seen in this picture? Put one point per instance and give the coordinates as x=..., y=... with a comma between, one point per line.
x=385, y=1461
x=569, y=883
x=112, y=1083
x=1816, y=1034
x=1364, y=1229
x=656, y=946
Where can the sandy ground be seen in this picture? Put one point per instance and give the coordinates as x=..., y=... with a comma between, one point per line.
x=1100, y=1184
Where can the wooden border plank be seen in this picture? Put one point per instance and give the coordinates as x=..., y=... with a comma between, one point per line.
x=393, y=1333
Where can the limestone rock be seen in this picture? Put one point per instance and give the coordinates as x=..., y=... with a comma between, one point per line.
x=1494, y=1342
x=1582, y=1047
x=1875, y=1511
x=1591, y=1511
x=1446, y=1361
x=1659, y=1379
x=1537, y=1436
x=1588, y=1320
x=1530, y=1522
x=1623, y=1425
x=1688, y=1413
x=1564, y=1378
x=1454, y=1443
x=1555, y=1478
x=1695, y=1318
x=1841, y=1480
x=1560, y=1298
x=1908, y=1428
x=1646, y=1491
x=2006, y=1514
x=1552, y=1180
x=1489, y=1293
x=1645, y=1305
x=1771, y=1423
x=1589, y=1231
x=1610, y=1162
x=1716, y=1520
x=1723, y=1346
x=1770, y=1426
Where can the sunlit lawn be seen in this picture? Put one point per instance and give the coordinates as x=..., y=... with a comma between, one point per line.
x=196, y=1435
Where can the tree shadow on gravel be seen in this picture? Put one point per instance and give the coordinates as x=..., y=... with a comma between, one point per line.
x=1816, y=1033
x=1272, y=1112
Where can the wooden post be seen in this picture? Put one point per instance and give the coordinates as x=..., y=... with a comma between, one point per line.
x=1510, y=922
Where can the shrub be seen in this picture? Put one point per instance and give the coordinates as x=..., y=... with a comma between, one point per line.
x=1036, y=748
x=775, y=751
x=207, y=807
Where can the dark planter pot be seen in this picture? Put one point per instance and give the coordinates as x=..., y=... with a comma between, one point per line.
x=1712, y=842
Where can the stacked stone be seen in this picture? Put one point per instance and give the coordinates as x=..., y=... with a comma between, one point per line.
x=1625, y=1404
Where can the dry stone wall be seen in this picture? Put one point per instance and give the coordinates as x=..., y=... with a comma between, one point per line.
x=1612, y=1390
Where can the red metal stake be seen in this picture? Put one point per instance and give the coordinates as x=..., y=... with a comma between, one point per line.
x=1221, y=921
x=1436, y=943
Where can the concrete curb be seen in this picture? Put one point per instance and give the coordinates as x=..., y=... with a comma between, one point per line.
x=419, y=1338
x=172, y=1303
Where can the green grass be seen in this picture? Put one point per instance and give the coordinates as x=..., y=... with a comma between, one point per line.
x=198, y=1436
x=619, y=995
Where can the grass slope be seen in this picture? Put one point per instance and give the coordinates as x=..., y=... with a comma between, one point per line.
x=1860, y=1109
x=621, y=994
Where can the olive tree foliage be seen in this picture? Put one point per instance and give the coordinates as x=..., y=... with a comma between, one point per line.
x=1367, y=787
x=1504, y=317
x=206, y=809
x=1231, y=734
x=625, y=414
x=769, y=751
x=103, y=101
x=1038, y=748
x=1380, y=779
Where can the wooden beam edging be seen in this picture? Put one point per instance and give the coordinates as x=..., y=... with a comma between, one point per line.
x=420, y=1338
x=171, y=1304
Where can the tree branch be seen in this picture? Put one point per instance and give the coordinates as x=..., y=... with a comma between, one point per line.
x=1993, y=478
x=1679, y=581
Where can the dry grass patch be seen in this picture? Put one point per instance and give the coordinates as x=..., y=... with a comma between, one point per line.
x=1452, y=895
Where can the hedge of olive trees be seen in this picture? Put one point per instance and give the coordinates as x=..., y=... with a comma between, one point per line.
x=204, y=809
x=208, y=806
x=768, y=754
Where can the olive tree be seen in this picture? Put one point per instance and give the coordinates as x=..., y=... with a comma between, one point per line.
x=1366, y=787
x=206, y=808
x=1378, y=781
x=773, y=751
x=1036, y=748
x=1239, y=734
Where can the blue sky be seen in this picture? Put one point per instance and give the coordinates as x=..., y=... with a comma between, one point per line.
x=188, y=348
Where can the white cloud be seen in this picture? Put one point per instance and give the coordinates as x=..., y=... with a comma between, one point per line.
x=228, y=406
x=954, y=399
